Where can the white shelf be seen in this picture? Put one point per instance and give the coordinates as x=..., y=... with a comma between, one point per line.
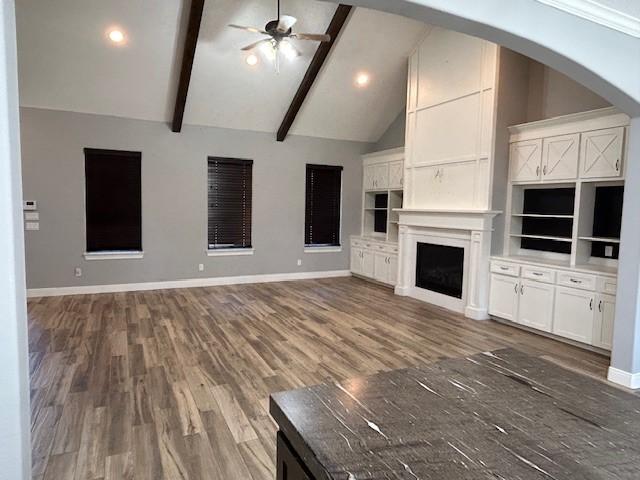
x=375, y=209
x=601, y=239
x=542, y=237
x=539, y=215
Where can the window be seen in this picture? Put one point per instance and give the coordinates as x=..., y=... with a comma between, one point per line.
x=229, y=202
x=113, y=200
x=322, y=206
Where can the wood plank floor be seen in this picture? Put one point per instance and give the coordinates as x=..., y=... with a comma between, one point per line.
x=174, y=384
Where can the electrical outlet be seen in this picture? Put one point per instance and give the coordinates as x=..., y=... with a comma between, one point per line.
x=78, y=272
x=201, y=267
x=32, y=226
x=299, y=261
x=608, y=251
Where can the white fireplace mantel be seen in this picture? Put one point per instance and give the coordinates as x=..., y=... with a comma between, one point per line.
x=468, y=229
x=470, y=220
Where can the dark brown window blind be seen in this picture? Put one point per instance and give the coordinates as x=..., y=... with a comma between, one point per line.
x=113, y=200
x=322, y=205
x=229, y=202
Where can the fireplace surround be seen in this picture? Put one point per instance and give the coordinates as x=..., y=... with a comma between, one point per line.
x=468, y=231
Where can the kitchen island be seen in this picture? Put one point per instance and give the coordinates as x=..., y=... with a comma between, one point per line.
x=496, y=415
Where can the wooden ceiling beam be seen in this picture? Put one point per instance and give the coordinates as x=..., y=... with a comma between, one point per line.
x=190, y=43
x=334, y=29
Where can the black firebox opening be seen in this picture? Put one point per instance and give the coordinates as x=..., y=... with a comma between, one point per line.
x=439, y=268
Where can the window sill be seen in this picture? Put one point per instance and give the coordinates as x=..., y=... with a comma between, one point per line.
x=322, y=249
x=229, y=252
x=124, y=255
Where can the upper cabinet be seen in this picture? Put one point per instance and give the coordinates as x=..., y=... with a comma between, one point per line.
x=588, y=145
x=526, y=159
x=560, y=157
x=602, y=153
x=386, y=173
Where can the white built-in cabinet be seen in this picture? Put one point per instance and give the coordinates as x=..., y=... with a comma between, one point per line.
x=375, y=260
x=374, y=253
x=601, y=153
x=564, y=284
x=583, y=313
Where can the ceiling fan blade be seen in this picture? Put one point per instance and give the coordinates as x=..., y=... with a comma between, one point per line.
x=285, y=23
x=255, y=44
x=317, y=37
x=248, y=29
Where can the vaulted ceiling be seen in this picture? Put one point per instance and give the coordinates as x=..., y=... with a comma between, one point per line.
x=67, y=63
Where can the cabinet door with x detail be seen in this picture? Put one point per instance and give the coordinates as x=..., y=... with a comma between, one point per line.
x=560, y=157
x=525, y=160
x=601, y=153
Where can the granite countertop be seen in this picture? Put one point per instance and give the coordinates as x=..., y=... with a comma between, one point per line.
x=498, y=415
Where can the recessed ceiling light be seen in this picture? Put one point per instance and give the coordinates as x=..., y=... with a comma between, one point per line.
x=252, y=60
x=362, y=79
x=116, y=36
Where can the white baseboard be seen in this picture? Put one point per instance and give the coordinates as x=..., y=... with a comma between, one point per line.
x=626, y=379
x=402, y=291
x=475, y=313
x=187, y=283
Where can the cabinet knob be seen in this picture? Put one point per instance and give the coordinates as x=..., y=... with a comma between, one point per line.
x=591, y=304
x=600, y=306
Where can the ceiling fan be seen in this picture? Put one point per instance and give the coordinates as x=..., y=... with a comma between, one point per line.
x=280, y=32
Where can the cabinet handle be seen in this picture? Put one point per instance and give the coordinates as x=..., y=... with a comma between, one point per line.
x=521, y=289
x=600, y=306
x=504, y=269
x=573, y=280
x=591, y=304
x=515, y=287
x=538, y=171
x=617, y=164
x=537, y=274
x=544, y=170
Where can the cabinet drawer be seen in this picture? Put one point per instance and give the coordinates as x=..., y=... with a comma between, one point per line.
x=607, y=285
x=505, y=268
x=577, y=280
x=539, y=274
x=357, y=243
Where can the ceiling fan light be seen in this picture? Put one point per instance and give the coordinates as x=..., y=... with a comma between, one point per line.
x=288, y=50
x=269, y=49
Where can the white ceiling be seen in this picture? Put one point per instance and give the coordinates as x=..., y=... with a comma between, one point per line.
x=66, y=63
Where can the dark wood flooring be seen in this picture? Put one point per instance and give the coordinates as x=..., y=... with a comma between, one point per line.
x=174, y=384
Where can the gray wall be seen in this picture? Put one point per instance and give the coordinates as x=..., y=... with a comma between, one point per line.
x=174, y=223
x=394, y=136
x=552, y=94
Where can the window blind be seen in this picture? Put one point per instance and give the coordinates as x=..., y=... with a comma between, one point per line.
x=229, y=202
x=322, y=205
x=113, y=200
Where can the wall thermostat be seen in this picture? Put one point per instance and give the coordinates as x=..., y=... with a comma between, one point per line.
x=30, y=205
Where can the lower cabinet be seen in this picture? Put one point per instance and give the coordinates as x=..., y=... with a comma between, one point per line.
x=378, y=261
x=536, y=305
x=603, y=322
x=503, y=300
x=585, y=314
x=573, y=317
x=368, y=263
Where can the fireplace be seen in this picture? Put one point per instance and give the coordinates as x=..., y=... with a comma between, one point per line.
x=440, y=268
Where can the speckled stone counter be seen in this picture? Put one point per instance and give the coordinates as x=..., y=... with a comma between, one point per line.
x=501, y=415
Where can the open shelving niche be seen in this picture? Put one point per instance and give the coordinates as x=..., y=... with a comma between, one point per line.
x=567, y=224
x=380, y=221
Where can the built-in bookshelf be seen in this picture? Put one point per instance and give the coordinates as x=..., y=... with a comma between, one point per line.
x=580, y=222
x=380, y=221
